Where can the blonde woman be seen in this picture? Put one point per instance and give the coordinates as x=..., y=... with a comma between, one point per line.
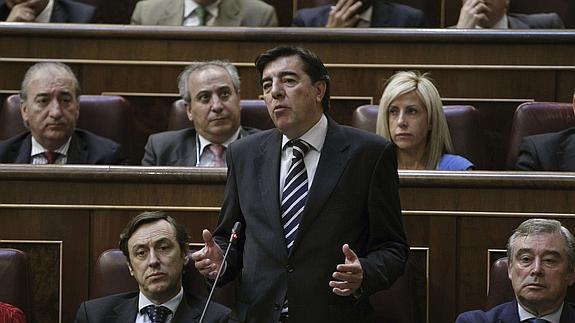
x=411, y=115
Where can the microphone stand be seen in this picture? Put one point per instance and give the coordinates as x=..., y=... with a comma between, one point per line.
x=233, y=238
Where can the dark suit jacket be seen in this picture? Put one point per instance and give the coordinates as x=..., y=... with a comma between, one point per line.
x=548, y=152
x=64, y=11
x=85, y=148
x=507, y=313
x=535, y=21
x=354, y=199
x=176, y=148
x=384, y=14
x=123, y=308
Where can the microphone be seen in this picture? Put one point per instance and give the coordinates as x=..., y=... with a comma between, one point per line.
x=233, y=238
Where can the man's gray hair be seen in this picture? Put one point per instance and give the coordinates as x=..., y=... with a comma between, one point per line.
x=47, y=65
x=537, y=226
x=199, y=66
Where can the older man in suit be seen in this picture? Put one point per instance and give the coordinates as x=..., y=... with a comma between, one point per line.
x=211, y=91
x=493, y=14
x=365, y=13
x=541, y=266
x=319, y=203
x=548, y=152
x=156, y=250
x=222, y=13
x=46, y=11
x=50, y=108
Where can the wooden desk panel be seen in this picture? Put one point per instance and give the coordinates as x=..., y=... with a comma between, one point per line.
x=451, y=219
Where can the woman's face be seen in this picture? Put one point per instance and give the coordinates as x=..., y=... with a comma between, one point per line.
x=407, y=118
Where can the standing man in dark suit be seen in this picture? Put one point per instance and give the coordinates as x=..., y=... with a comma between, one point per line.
x=156, y=250
x=493, y=14
x=49, y=104
x=541, y=266
x=211, y=91
x=364, y=14
x=319, y=203
x=548, y=152
x=46, y=11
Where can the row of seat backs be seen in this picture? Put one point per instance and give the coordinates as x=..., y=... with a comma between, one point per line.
x=109, y=116
x=500, y=289
x=15, y=279
x=462, y=120
x=111, y=276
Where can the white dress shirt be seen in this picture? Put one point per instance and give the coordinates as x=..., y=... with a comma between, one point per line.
x=37, y=153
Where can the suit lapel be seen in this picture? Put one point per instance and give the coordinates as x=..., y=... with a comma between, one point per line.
x=568, y=313
x=24, y=151
x=59, y=14
x=516, y=23
x=566, y=153
x=78, y=151
x=229, y=14
x=334, y=156
x=380, y=14
x=124, y=312
x=185, y=313
x=189, y=152
x=509, y=314
x=173, y=14
x=267, y=162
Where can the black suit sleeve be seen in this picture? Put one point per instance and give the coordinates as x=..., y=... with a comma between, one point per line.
x=528, y=157
x=385, y=261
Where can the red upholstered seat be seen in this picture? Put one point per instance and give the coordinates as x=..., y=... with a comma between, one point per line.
x=107, y=116
x=462, y=120
x=254, y=114
x=533, y=118
x=16, y=286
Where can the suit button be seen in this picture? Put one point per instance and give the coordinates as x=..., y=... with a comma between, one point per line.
x=289, y=269
x=277, y=307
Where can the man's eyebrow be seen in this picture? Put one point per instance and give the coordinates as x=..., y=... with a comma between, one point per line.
x=280, y=74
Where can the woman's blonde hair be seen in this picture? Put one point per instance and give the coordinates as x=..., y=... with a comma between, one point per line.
x=438, y=138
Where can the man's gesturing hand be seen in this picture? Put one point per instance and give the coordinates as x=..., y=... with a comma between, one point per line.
x=349, y=275
x=209, y=259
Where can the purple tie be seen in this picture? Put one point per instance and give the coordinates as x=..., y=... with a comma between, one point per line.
x=50, y=157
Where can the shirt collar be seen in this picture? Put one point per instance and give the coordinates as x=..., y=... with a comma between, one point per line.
x=315, y=136
x=172, y=304
x=501, y=24
x=37, y=148
x=554, y=317
x=365, y=18
x=191, y=5
x=45, y=15
x=205, y=142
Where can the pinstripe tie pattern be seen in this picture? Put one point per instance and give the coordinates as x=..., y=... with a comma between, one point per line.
x=294, y=193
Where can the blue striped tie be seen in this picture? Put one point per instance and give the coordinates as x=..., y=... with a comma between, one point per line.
x=294, y=192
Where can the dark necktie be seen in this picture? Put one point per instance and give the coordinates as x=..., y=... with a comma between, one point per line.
x=294, y=193
x=218, y=152
x=157, y=314
x=202, y=14
x=535, y=320
x=50, y=157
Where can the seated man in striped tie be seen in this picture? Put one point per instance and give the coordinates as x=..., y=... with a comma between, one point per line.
x=541, y=264
x=211, y=91
x=319, y=203
x=49, y=104
x=156, y=250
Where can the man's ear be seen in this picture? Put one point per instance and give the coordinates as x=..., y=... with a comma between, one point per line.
x=130, y=268
x=320, y=87
x=188, y=110
x=24, y=110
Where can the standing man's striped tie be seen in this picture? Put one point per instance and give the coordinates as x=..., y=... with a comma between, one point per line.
x=294, y=193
